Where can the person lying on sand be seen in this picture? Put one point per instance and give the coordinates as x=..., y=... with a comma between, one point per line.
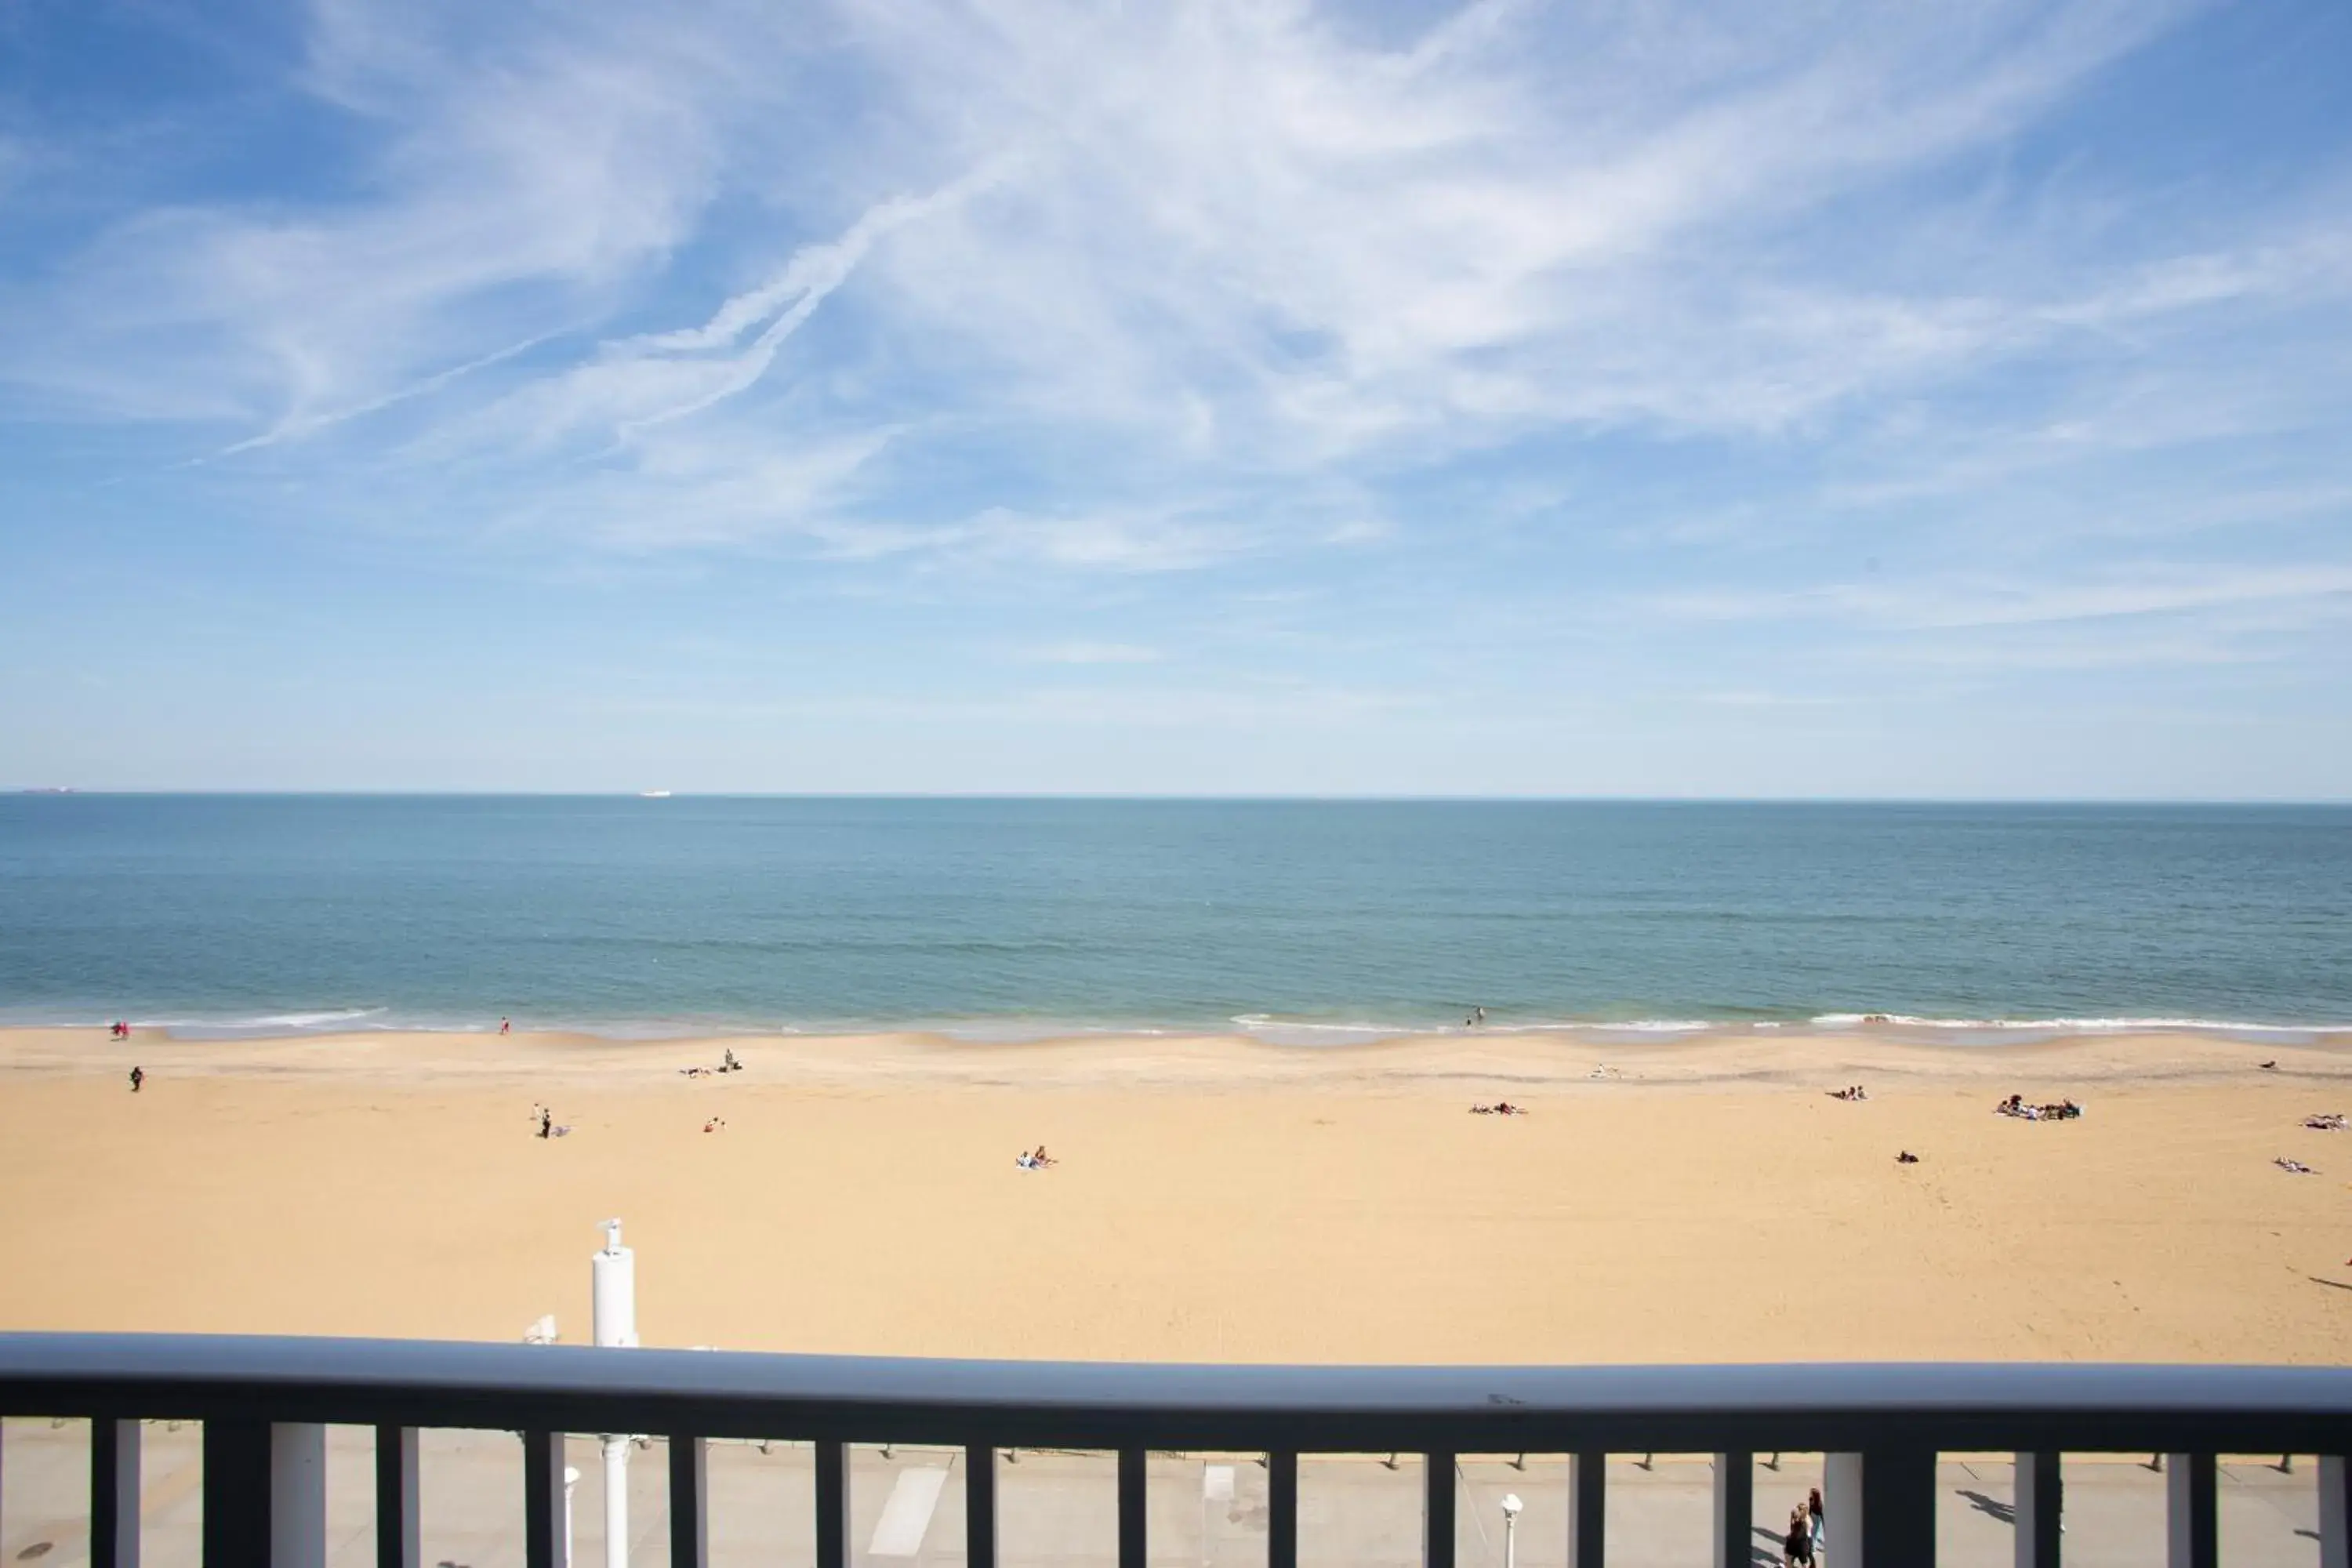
x=2324, y=1123
x=1043, y=1158
x=2294, y=1167
x=1906, y=1158
x=1851, y=1091
x=2270, y=1066
x=716, y=1124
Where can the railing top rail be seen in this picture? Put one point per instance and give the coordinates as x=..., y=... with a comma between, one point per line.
x=1101, y=1405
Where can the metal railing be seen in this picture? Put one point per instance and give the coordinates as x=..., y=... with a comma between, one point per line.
x=264, y=1403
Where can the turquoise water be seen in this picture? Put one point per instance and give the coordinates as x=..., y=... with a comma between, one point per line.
x=1299, y=921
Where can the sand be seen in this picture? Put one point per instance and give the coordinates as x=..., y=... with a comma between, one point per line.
x=1216, y=1199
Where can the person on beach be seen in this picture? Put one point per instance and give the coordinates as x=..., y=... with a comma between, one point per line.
x=546, y=1121
x=1044, y=1158
x=1797, y=1543
x=137, y=1077
x=1906, y=1158
x=505, y=1027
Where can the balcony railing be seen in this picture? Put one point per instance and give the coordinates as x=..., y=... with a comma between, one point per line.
x=264, y=1404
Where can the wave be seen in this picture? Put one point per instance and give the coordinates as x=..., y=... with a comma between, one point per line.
x=2071, y=1026
x=1269, y=1028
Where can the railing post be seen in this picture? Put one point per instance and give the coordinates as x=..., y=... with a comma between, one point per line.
x=1132, y=1477
x=832, y=1505
x=2335, y=1512
x=546, y=1543
x=1588, y=1508
x=1734, y=1509
x=1437, y=1511
x=237, y=1494
x=113, y=1494
x=689, y=1501
x=399, y=1542
x=980, y=1507
x=298, y=1495
x=2039, y=1492
x=1282, y=1509
x=2191, y=1536
x=1879, y=1508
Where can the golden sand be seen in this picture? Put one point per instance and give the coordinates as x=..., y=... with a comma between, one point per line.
x=1215, y=1199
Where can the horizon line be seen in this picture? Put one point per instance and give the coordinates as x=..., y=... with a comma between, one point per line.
x=1142, y=797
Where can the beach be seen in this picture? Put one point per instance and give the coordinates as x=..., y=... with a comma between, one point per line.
x=1214, y=1199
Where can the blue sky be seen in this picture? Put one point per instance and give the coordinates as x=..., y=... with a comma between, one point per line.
x=1625, y=398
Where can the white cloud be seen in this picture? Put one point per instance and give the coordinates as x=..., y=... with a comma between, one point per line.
x=1086, y=653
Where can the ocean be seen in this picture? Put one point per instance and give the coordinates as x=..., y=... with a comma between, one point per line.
x=1300, y=922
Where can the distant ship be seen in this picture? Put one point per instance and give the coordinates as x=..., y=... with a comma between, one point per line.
x=652, y=794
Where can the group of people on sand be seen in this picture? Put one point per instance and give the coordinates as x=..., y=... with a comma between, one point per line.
x=1805, y=1542
x=118, y=1031
x=2065, y=1110
x=716, y=1124
x=1851, y=1091
x=728, y=1065
x=1500, y=1108
x=1038, y=1161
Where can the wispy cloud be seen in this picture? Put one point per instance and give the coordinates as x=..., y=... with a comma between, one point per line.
x=1092, y=653
x=1503, y=347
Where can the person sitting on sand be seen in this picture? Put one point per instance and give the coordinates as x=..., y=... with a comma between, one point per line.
x=730, y=1064
x=1043, y=1158
x=137, y=1077
x=1906, y=1158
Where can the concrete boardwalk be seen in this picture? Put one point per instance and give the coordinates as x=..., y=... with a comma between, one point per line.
x=1057, y=1510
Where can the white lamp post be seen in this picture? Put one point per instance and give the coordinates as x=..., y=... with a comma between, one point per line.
x=613, y=1279
x=1511, y=1505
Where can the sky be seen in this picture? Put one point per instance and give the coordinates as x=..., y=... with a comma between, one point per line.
x=1630, y=397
